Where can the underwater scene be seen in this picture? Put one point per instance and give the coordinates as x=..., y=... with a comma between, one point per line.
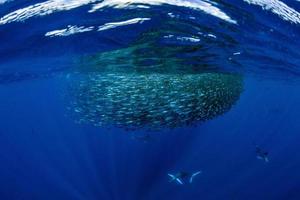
x=149, y=99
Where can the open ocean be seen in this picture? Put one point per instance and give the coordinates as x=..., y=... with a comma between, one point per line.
x=150, y=100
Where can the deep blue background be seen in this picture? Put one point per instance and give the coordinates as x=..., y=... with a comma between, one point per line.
x=45, y=155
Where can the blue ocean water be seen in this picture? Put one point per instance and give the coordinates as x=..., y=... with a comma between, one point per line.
x=54, y=146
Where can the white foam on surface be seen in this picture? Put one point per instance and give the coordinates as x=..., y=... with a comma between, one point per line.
x=169, y=36
x=122, y=23
x=236, y=53
x=184, y=38
x=211, y=35
x=279, y=8
x=42, y=9
x=4, y=1
x=189, y=39
x=70, y=30
x=204, y=6
x=52, y=6
x=73, y=29
x=171, y=15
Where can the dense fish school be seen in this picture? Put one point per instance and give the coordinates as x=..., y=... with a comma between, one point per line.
x=154, y=101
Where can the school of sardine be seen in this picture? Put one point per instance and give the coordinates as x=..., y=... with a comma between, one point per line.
x=153, y=100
